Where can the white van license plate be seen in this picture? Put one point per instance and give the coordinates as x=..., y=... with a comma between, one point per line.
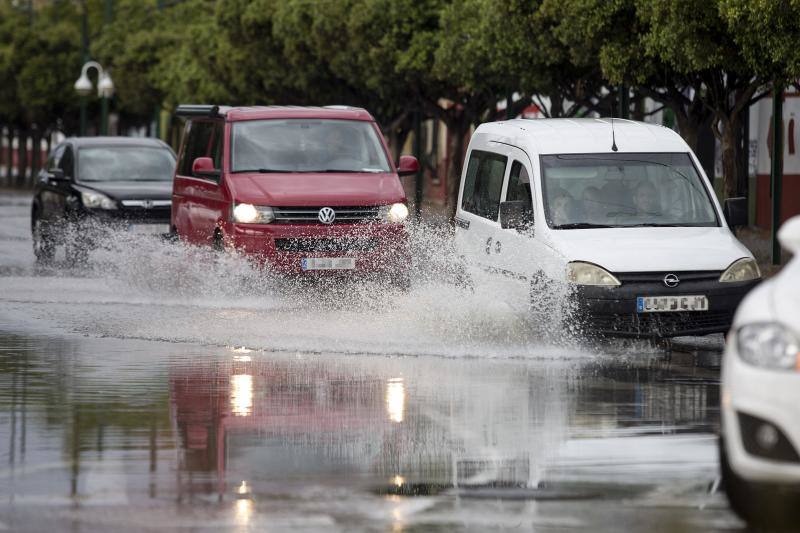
x=667, y=304
x=328, y=263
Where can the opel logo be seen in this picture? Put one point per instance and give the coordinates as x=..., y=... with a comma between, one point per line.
x=327, y=215
x=671, y=280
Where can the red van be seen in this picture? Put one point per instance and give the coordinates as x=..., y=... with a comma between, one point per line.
x=305, y=190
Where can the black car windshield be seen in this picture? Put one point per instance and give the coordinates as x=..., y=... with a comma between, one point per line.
x=300, y=145
x=624, y=190
x=125, y=163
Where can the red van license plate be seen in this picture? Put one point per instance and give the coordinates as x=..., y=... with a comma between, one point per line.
x=328, y=263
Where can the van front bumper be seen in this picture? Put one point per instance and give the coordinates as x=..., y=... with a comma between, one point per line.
x=613, y=311
x=380, y=248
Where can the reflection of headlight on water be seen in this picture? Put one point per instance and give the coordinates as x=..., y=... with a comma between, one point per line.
x=395, y=399
x=243, y=511
x=242, y=394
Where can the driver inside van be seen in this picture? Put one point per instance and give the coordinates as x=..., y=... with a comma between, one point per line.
x=646, y=199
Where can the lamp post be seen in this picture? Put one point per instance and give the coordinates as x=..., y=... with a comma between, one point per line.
x=105, y=90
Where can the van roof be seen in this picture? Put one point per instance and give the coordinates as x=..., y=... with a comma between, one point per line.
x=584, y=135
x=277, y=112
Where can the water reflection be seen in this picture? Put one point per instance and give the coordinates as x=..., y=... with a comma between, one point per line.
x=91, y=419
x=395, y=399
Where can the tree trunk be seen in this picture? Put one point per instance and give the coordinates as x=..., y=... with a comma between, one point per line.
x=729, y=157
x=36, y=152
x=457, y=133
x=22, y=156
x=10, y=156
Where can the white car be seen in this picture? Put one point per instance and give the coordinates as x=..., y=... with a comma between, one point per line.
x=760, y=445
x=621, y=213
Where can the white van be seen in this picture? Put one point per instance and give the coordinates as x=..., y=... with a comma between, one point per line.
x=621, y=213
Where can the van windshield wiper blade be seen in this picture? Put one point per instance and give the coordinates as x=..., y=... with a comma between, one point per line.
x=262, y=171
x=582, y=225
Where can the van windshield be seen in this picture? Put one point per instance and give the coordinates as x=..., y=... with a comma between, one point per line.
x=302, y=145
x=624, y=190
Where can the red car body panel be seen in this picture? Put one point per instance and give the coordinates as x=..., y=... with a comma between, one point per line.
x=203, y=207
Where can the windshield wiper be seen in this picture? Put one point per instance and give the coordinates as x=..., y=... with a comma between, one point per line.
x=663, y=225
x=344, y=170
x=262, y=171
x=582, y=225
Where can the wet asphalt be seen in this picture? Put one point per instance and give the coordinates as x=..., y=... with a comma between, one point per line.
x=168, y=389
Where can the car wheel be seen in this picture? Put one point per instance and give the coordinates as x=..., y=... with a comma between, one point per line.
x=43, y=246
x=759, y=504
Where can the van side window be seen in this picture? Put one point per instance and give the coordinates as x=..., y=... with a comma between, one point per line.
x=203, y=139
x=519, y=185
x=483, y=184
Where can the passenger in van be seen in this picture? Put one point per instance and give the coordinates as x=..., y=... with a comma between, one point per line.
x=646, y=199
x=562, y=208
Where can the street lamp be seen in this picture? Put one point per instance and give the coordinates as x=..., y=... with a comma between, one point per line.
x=105, y=90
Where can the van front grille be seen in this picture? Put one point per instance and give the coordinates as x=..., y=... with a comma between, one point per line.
x=310, y=215
x=658, y=277
x=325, y=245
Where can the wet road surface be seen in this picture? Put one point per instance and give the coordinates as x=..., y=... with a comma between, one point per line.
x=170, y=389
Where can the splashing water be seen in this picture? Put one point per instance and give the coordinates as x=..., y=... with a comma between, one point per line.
x=178, y=292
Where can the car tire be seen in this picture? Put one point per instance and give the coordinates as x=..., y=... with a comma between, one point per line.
x=44, y=248
x=759, y=504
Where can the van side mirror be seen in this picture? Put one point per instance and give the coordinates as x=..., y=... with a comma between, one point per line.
x=735, y=211
x=407, y=165
x=204, y=167
x=516, y=215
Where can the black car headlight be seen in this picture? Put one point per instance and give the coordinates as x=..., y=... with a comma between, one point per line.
x=96, y=200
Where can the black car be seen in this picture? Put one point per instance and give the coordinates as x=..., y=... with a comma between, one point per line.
x=95, y=184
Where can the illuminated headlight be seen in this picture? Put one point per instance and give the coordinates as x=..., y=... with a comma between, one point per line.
x=253, y=214
x=96, y=200
x=768, y=345
x=394, y=213
x=745, y=269
x=581, y=273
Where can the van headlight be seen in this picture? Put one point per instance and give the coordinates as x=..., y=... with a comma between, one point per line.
x=393, y=213
x=768, y=345
x=581, y=273
x=96, y=200
x=253, y=214
x=744, y=269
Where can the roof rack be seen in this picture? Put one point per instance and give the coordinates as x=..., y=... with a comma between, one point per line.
x=197, y=110
x=341, y=107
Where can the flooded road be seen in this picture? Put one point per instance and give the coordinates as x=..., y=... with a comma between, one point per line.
x=164, y=388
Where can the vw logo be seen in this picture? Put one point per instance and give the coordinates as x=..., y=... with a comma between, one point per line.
x=327, y=215
x=671, y=280
x=147, y=204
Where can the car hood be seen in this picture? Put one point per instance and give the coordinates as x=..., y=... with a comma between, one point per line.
x=132, y=190
x=651, y=249
x=332, y=189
